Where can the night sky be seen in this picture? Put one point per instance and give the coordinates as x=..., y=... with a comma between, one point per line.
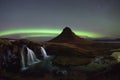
x=45, y=18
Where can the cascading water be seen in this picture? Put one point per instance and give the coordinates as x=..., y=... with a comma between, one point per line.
x=23, y=59
x=32, y=59
x=44, y=54
x=9, y=53
x=4, y=60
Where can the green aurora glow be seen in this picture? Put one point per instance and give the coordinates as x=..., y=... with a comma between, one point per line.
x=24, y=33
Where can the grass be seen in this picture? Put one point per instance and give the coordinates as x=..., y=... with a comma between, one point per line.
x=63, y=60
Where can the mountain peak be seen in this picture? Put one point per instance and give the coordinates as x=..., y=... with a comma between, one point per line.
x=67, y=29
x=67, y=32
x=67, y=35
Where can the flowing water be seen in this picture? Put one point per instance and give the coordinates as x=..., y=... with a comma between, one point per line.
x=44, y=54
x=31, y=58
x=23, y=59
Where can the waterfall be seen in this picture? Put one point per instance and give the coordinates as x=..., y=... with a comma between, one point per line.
x=23, y=59
x=44, y=54
x=9, y=53
x=4, y=60
x=31, y=57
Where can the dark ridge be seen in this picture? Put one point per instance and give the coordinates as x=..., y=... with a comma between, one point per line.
x=68, y=36
x=67, y=30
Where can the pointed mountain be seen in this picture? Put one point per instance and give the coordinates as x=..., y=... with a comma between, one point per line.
x=68, y=36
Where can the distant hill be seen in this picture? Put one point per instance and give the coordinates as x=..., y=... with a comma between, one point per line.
x=68, y=36
x=107, y=39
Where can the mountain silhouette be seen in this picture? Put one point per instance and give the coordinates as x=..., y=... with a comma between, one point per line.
x=68, y=36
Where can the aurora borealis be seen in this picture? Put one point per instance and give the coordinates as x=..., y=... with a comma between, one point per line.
x=47, y=18
x=44, y=32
